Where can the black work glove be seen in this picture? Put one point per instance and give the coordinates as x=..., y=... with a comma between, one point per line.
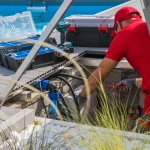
x=130, y=83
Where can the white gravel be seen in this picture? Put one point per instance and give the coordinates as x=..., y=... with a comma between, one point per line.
x=54, y=137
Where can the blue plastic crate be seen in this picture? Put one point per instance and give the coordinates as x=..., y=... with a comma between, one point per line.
x=23, y=54
x=34, y=37
x=45, y=57
x=13, y=46
x=7, y=45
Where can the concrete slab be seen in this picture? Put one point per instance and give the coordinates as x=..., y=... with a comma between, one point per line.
x=13, y=119
x=24, y=96
x=6, y=113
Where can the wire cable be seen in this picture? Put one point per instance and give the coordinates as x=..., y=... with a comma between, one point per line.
x=66, y=106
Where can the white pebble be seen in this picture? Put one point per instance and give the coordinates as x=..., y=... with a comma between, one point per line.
x=15, y=136
x=147, y=147
x=7, y=145
x=38, y=127
x=51, y=134
x=30, y=128
x=25, y=141
x=126, y=144
x=137, y=144
x=18, y=146
x=76, y=148
x=25, y=134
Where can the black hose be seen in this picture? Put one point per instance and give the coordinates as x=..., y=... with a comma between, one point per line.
x=65, y=104
x=73, y=94
x=68, y=75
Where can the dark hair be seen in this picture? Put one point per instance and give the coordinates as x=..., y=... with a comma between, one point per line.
x=134, y=14
x=116, y=27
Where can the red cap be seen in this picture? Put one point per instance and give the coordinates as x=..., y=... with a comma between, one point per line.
x=125, y=13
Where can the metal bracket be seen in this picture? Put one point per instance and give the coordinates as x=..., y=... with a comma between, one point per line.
x=48, y=31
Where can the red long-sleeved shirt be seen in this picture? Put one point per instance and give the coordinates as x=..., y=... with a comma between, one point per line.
x=133, y=43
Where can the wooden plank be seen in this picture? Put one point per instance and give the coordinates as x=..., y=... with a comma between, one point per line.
x=17, y=86
x=5, y=79
x=6, y=72
x=3, y=82
x=25, y=79
x=31, y=75
x=45, y=69
x=2, y=88
x=2, y=85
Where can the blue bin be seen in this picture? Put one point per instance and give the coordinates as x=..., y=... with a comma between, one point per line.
x=24, y=54
x=42, y=85
x=34, y=37
x=54, y=98
x=45, y=57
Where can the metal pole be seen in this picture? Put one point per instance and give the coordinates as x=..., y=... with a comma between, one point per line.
x=30, y=3
x=146, y=9
x=50, y=27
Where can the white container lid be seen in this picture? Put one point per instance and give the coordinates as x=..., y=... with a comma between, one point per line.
x=90, y=21
x=18, y=26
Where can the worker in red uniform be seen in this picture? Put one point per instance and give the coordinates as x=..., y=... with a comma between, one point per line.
x=132, y=41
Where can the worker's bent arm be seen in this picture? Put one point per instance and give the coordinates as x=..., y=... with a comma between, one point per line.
x=105, y=67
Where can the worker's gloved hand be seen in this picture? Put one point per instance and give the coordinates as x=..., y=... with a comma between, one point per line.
x=81, y=102
x=81, y=99
x=130, y=83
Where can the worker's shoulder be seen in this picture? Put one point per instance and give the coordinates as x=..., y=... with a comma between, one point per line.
x=124, y=32
x=134, y=27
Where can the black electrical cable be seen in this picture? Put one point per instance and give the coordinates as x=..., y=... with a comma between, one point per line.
x=73, y=94
x=65, y=104
x=68, y=75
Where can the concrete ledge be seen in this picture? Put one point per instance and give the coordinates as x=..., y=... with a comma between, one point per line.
x=17, y=121
x=129, y=135
x=94, y=62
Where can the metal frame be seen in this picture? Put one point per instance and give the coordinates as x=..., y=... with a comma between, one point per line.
x=48, y=31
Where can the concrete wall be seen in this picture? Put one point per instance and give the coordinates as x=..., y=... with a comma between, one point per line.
x=134, y=3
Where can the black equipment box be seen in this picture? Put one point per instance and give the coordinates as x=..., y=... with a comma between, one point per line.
x=89, y=31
